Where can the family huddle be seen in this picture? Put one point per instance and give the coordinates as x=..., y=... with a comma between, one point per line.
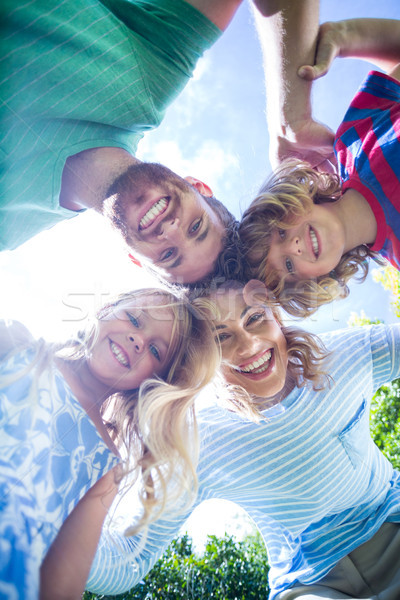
x=197, y=389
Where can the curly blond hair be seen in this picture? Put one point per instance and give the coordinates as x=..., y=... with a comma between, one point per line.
x=288, y=194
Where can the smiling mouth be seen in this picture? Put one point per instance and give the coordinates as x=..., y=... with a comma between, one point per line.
x=257, y=366
x=154, y=211
x=314, y=242
x=120, y=355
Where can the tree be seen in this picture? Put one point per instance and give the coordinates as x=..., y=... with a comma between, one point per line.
x=227, y=570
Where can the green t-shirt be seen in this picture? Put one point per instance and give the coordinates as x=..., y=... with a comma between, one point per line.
x=75, y=76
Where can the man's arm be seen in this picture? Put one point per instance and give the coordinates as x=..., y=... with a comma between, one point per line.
x=288, y=32
x=374, y=40
x=220, y=12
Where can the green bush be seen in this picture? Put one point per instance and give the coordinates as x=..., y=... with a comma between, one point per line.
x=227, y=570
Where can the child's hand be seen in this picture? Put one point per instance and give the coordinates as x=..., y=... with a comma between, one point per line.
x=308, y=140
x=330, y=41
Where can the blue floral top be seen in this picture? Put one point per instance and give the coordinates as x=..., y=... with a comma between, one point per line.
x=50, y=455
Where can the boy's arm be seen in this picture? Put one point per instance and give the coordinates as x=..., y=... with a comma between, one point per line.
x=66, y=566
x=288, y=33
x=374, y=40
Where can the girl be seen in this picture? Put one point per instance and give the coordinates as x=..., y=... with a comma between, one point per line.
x=125, y=385
x=292, y=447
x=308, y=233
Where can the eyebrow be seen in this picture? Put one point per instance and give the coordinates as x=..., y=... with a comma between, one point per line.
x=244, y=311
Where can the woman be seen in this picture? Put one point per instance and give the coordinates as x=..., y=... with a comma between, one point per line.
x=126, y=385
x=292, y=447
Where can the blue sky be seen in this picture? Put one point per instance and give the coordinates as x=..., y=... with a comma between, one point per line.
x=216, y=131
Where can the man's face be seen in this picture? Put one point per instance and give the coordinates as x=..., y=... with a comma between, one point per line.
x=169, y=222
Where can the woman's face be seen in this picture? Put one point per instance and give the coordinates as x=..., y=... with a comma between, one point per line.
x=254, y=352
x=132, y=343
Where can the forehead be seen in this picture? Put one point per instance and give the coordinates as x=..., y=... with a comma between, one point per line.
x=154, y=307
x=230, y=305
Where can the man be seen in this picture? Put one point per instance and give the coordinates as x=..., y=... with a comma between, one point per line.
x=80, y=87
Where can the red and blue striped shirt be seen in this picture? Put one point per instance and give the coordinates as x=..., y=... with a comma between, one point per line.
x=367, y=147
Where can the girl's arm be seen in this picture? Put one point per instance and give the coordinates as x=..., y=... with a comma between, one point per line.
x=13, y=335
x=374, y=40
x=66, y=566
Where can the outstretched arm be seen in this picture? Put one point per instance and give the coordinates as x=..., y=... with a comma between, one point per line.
x=288, y=32
x=374, y=40
x=66, y=566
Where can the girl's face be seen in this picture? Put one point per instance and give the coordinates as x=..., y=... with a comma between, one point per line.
x=132, y=344
x=312, y=247
x=254, y=353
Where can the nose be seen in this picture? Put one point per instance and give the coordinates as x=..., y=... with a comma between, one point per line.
x=171, y=230
x=137, y=340
x=294, y=245
x=247, y=344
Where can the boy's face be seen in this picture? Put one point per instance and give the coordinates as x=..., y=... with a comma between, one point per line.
x=312, y=247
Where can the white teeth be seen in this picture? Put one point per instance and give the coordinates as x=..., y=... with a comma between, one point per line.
x=314, y=242
x=259, y=365
x=157, y=208
x=119, y=355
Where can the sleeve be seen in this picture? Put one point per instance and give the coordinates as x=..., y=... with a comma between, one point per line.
x=169, y=36
x=385, y=351
x=122, y=562
x=13, y=335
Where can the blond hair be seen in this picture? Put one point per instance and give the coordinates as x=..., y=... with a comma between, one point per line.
x=287, y=195
x=155, y=426
x=306, y=355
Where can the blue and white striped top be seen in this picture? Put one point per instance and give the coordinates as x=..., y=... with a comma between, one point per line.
x=309, y=475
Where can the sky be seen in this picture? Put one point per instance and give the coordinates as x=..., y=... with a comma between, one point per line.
x=215, y=131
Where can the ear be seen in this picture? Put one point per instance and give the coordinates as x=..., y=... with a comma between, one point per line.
x=255, y=292
x=200, y=186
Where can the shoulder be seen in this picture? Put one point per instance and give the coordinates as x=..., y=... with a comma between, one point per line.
x=13, y=336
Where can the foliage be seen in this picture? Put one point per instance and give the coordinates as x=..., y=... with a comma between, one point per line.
x=385, y=421
x=389, y=277
x=355, y=320
x=227, y=570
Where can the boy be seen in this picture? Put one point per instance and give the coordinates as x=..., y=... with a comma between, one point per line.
x=307, y=233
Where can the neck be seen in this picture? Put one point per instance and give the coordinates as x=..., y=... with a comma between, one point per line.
x=268, y=402
x=89, y=392
x=357, y=217
x=88, y=175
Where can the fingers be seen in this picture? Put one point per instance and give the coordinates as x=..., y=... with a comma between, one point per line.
x=326, y=52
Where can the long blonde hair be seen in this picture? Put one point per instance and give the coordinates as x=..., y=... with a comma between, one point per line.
x=155, y=426
x=306, y=354
x=288, y=194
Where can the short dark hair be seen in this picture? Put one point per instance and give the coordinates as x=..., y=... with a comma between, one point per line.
x=231, y=263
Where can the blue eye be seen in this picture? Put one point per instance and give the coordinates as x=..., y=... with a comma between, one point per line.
x=196, y=226
x=133, y=320
x=281, y=233
x=167, y=254
x=289, y=266
x=255, y=317
x=155, y=352
x=221, y=337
